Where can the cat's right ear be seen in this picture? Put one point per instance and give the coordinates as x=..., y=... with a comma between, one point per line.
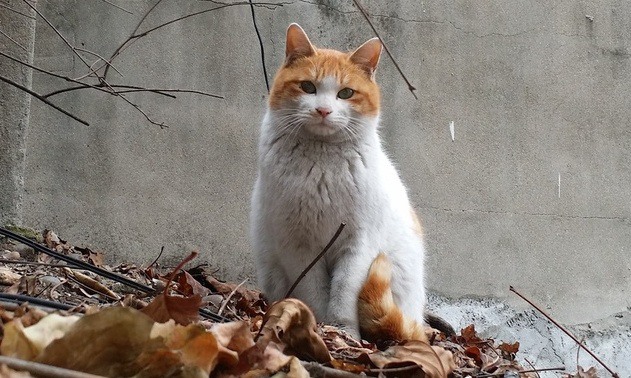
x=297, y=45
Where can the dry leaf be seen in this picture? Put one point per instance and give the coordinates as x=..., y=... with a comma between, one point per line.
x=234, y=339
x=509, y=350
x=435, y=362
x=291, y=322
x=188, y=285
x=184, y=310
x=123, y=342
x=27, y=343
x=6, y=372
x=91, y=283
x=581, y=373
x=8, y=277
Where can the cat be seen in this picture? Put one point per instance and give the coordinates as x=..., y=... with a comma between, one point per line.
x=320, y=163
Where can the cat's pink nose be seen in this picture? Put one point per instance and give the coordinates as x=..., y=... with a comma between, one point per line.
x=324, y=111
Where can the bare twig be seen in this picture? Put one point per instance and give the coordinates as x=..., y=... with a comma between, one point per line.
x=44, y=370
x=613, y=373
x=318, y=370
x=16, y=11
x=385, y=47
x=74, y=50
x=100, y=59
x=532, y=366
x=13, y=40
x=225, y=302
x=318, y=257
x=164, y=91
x=135, y=35
x=533, y=370
x=43, y=99
x=258, y=35
x=117, y=6
x=112, y=92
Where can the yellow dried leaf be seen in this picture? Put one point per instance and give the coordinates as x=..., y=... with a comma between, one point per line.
x=27, y=343
x=435, y=361
x=291, y=323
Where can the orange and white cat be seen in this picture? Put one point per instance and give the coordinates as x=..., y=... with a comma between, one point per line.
x=321, y=163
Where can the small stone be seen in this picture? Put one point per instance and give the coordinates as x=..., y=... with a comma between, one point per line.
x=11, y=255
x=49, y=280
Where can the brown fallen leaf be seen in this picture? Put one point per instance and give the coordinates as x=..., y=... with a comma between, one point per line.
x=188, y=285
x=91, y=283
x=509, y=350
x=292, y=324
x=8, y=276
x=184, y=310
x=123, y=342
x=435, y=362
x=582, y=373
x=27, y=342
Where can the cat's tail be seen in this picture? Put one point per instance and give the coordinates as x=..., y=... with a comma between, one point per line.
x=380, y=319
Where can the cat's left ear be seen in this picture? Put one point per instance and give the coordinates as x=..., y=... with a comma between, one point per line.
x=367, y=55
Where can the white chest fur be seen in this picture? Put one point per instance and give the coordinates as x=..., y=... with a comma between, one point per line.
x=305, y=188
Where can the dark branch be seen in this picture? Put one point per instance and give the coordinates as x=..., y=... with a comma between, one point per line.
x=385, y=47
x=580, y=344
x=318, y=257
x=43, y=99
x=16, y=11
x=13, y=40
x=258, y=35
x=74, y=50
x=117, y=6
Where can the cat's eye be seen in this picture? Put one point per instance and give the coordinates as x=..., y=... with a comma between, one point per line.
x=308, y=87
x=345, y=93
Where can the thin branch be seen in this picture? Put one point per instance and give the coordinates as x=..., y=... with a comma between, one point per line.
x=165, y=92
x=318, y=257
x=120, y=48
x=613, y=373
x=161, y=125
x=225, y=302
x=533, y=370
x=411, y=88
x=112, y=92
x=317, y=370
x=74, y=50
x=135, y=35
x=43, y=99
x=43, y=369
x=117, y=6
x=13, y=40
x=16, y=11
x=258, y=35
x=100, y=58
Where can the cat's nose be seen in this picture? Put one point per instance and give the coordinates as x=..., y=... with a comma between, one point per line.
x=324, y=111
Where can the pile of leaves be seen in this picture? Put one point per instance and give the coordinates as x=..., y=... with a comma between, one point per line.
x=108, y=329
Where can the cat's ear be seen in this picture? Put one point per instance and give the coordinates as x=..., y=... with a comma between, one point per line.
x=297, y=45
x=367, y=55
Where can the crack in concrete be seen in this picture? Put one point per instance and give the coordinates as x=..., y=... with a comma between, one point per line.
x=426, y=21
x=497, y=212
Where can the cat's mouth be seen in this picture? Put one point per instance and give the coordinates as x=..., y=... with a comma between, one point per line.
x=322, y=127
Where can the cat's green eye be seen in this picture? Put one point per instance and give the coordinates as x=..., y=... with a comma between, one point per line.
x=345, y=93
x=308, y=87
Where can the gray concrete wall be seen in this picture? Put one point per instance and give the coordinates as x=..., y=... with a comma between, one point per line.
x=536, y=91
x=17, y=22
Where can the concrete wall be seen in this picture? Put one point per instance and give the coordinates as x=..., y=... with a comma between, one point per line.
x=536, y=91
x=17, y=22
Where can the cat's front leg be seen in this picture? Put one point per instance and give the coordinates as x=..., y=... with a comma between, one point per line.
x=348, y=277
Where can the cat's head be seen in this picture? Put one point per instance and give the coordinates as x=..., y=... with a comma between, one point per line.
x=323, y=92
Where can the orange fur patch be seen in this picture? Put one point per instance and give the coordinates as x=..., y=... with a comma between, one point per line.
x=379, y=317
x=314, y=68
